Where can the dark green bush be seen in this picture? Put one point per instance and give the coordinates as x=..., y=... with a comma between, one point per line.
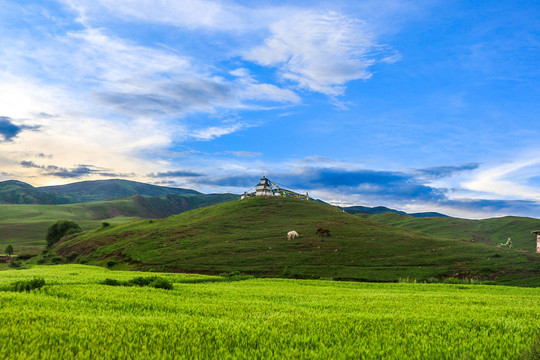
x=231, y=274
x=151, y=281
x=111, y=263
x=83, y=261
x=26, y=256
x=161, y=283
x=59, y=229
x=113, y=282
x=142, y=281
x=57, y=260
x=15, y=264
x=72, y=256
x=236, y=276
x=26, y=285
x=105, y=224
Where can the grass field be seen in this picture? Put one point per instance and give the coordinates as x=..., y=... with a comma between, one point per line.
x=74, y=316
x=250, y=236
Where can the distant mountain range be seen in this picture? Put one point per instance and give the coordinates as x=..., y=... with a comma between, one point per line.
x=383, y=209
x=17, y=192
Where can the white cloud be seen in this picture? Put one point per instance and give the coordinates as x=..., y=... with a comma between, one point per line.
x=509, y=180
x=319, y=51
x=188, y=14
x=213, y=132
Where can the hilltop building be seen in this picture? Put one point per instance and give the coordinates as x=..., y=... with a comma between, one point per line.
x=267, y=188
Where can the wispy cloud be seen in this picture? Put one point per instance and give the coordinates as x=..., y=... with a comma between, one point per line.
x=320, y=51
x=213, y=132
x=446, y=171
x=175, y=174
x=76, y=172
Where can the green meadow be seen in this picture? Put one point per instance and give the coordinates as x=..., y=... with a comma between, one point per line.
x=75, y=316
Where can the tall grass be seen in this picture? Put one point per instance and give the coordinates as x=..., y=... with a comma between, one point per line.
x=74, y=316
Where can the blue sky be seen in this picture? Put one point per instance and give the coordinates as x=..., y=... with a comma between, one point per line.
x=415, y=105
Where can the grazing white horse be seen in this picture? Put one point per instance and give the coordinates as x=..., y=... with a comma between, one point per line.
x=292, y=235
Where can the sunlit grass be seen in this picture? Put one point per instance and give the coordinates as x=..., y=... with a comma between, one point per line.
x=73, y=316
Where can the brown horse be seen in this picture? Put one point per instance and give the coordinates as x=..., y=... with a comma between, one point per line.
x=322, y=231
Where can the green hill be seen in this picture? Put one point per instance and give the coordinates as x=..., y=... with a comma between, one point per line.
x=250, y=236
x=489, y=231
x=102, y=190
x=18, y=192
x=24, y=226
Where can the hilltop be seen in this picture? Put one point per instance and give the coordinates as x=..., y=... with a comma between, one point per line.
x=250, y=236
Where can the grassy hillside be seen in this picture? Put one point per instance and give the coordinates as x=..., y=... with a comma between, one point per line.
x=250, y=236
x=18, y=192
x=490, y=231
x=24, y=226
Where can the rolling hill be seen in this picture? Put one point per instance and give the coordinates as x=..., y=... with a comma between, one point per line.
x=250, y=236
x=18, y=192
x=24, y=226
x=489, y=231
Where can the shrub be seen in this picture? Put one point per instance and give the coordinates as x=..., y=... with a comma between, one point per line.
x=231, y=274
x=152, y=281
x=142, y=281
x=161, y=283
x=59, y=229
x=111, y=263
x=15, y=264
x=72, y=256
x=9, y=250
x=26, y=256
x=83, y=261
x=105, y=224
x=26, y=285
x=57, y=260
x=112, y=282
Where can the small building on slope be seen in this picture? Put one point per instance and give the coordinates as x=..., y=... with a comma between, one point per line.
x=267, y=188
